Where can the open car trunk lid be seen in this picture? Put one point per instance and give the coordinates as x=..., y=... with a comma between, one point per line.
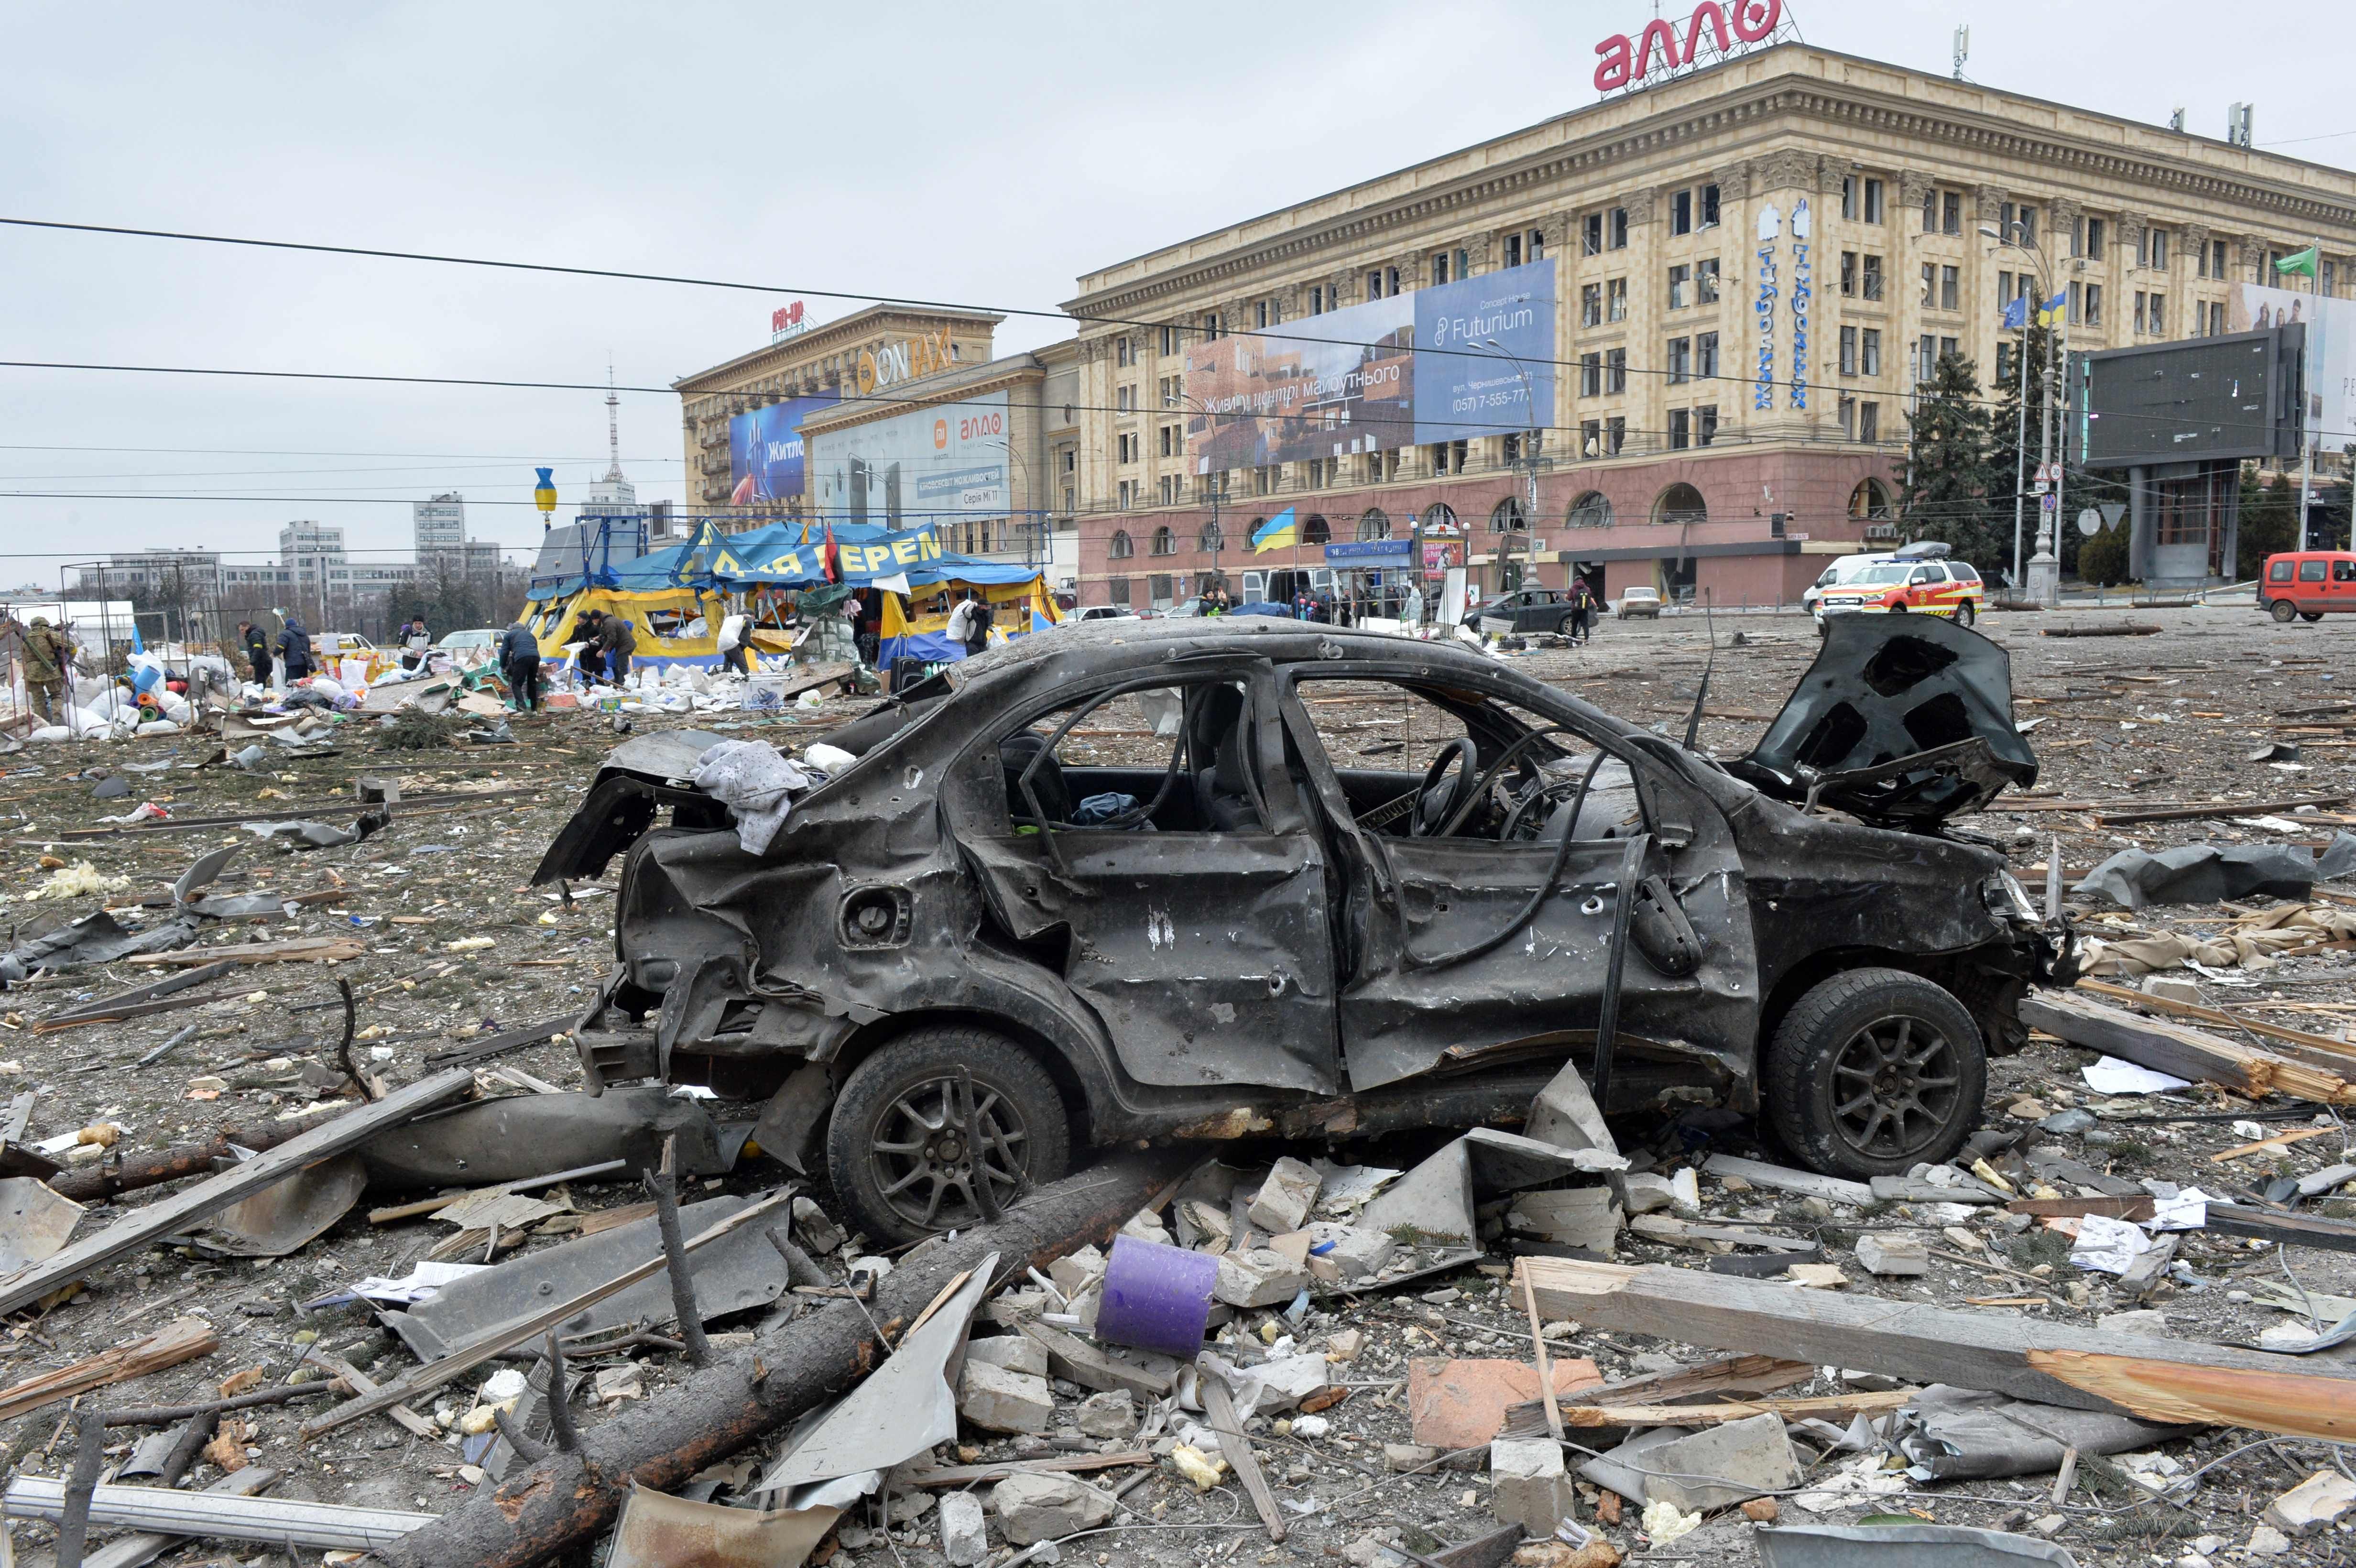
x=1903, y=720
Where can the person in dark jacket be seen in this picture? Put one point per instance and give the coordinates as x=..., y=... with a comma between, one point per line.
x=589, y=658
x=257, y=650
x=520, y=662
x=294, y=650
x=619, y=640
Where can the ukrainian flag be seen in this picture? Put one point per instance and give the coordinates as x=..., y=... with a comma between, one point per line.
x=1279, y=532
x=2052, y=310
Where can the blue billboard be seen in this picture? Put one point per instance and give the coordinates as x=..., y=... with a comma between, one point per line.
x=765, y=451
x=1455, y=362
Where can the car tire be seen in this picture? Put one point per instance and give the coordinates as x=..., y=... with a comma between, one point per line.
x=2310, y=615
x=1965, y=614
x=1892, y=1041
x=906, y=1093
x=1568, y=626
x=2284, y=611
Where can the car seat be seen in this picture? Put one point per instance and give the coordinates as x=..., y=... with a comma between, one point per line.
x=1014, y=756
x=1215, y=729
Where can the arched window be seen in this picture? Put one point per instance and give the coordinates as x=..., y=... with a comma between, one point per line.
x=1680, y=505
x=1591, y=510
x=1509, y=516
x=1211, y=539
x=1316, y=530
x=1373, y=525
x=1439, y=517
x=1120, y=549
x=1164, y=541
x=1870, y=502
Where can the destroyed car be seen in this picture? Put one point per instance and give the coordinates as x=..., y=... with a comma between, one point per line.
x=1336, y=883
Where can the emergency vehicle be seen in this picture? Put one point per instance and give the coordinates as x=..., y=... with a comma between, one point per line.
x=1911, y=587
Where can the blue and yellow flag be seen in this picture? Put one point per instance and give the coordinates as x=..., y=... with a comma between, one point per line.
x=2052, y=310
x=2016, y=315
x=1276, y=533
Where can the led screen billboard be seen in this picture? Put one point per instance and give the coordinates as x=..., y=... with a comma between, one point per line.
x=765, y=451
x=930, y=466
x=2204, y=398
x=1453, y=362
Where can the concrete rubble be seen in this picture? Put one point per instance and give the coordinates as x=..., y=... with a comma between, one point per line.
x=1364, y=1325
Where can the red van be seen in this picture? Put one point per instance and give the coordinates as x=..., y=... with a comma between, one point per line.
x=2307, y=582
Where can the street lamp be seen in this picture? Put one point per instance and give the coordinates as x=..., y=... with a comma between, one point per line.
x=2043, y=578
x=1529, y=457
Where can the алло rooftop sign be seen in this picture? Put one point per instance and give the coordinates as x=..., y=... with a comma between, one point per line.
x=1654, y=55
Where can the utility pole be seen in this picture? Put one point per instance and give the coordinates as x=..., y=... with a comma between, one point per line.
x=2307, y=397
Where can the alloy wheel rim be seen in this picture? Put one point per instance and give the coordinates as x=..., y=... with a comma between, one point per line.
x=926, y=1159
x=1895, y=1086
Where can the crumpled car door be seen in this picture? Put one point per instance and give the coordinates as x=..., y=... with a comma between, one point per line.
x=1902, y=721
x=1207, y=954
x=1540, y=992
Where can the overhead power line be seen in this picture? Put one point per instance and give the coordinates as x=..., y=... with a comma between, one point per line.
x=1193, y=329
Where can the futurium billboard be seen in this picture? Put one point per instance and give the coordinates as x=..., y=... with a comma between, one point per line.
x=929, y=465
x=1453, y=362
x=765, y=451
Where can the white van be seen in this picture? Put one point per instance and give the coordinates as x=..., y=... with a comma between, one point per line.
x=1842, y=570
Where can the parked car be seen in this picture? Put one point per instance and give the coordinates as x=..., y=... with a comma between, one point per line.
x=2308, y=584
x=1529, y=608
x=1101, y=612
x=965, y=955
x=1638, y=601
x=340, y=645
x=477, y=640
x=1949, y=589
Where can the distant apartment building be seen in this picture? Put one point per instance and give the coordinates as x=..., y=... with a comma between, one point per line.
x=439, y=526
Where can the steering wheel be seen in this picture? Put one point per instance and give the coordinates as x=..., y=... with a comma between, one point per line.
x=1446, y=785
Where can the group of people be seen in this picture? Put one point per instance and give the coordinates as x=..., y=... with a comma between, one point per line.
x=289, y=654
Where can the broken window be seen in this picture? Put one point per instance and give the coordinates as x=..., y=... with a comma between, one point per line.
x=1171, y=758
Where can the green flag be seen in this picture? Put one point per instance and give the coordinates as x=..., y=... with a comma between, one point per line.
x=2299, y=261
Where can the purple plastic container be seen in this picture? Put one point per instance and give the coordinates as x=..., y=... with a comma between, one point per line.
x=1156, y=1297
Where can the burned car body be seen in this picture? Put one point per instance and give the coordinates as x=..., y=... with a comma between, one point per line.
x=975, y=947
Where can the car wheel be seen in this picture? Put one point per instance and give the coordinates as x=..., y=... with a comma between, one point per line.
x=1965, y=614
x=897, y=1144
x=2310, y=614
x=1568, y=626
x=2284, y=611
x=1873, y=1071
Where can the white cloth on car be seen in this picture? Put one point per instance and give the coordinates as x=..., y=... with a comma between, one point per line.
x=756, y=783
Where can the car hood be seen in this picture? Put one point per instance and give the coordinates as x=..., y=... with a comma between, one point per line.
x=1903, y=722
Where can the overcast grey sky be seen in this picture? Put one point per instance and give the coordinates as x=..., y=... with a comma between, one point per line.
x=976, y=153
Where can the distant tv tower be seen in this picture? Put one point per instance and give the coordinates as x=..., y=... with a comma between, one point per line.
x=612, y=426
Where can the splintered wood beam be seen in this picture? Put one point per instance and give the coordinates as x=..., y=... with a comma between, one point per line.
x=2055, y=1363
x=2182, y=1050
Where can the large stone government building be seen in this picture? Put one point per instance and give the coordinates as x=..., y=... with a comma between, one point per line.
x=1670, y=339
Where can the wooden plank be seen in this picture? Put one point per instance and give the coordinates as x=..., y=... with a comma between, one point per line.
x=182, y=1339
x=360, y=1382
x=2056, y=1363
x=2330, y=1050
x=425, y=1379
x=1739, y=1377
x=2220, y=808
x=144, y=1228
x=2137, y=1208
x=1664, y=1228
x=2184, y=1052
x=2299, y=1230
x=300, y=950
x=1219, y=1412
x=1838, y=1407
x=1074, y=1359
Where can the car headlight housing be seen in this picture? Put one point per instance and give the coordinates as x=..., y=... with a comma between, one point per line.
x=2004, y=895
